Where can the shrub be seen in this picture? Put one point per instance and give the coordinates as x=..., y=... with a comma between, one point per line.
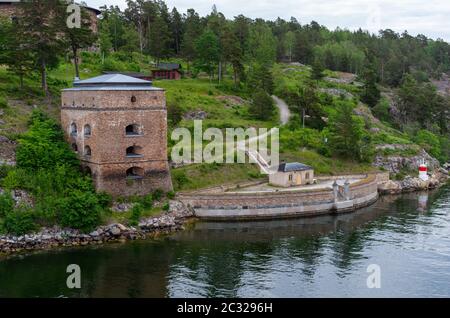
x=136, y=213
x=430, y=142
x=6, y=204
x=147, y=201
x=3, y=102
x=166, y=207
x=180, y=178
x=104, y=199
x=171, y=195
x=4, y=171
x=19, y=221
x=381, y=110
x=80, y=210
x=16, y=178
x=43, y=146
x=158, y=194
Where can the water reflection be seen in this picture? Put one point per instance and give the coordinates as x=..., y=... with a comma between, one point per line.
x=407, y=236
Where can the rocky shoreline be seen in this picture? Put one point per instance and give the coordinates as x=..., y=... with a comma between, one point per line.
x=50, y=238
x=413, y=184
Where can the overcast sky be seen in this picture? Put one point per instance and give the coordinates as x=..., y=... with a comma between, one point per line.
x=430, y=17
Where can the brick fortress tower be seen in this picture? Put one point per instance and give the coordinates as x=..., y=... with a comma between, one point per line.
x=118, y=126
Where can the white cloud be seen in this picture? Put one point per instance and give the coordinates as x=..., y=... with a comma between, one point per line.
x=417, y=16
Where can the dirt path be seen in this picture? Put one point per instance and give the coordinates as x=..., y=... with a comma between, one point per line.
x=285, y=113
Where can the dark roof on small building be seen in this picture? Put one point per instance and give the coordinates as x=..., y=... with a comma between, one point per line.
x=168, y=66
x=293, y=166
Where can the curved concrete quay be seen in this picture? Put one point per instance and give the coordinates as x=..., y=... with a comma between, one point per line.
x=338, y=194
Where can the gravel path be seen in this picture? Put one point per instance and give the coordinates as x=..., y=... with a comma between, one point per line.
x=285, y=113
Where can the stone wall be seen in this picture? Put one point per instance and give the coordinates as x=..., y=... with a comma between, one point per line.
x=251, y=205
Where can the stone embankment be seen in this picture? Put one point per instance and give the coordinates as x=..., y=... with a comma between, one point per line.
x=339, y=196
x=411, y=184
x=56, y=237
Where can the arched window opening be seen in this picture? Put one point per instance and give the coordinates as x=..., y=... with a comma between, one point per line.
x=135, y=173
x=87, y=151
x=133, y=130
x=75, y=147
x=133, y=99
x=134, y=152
x=87, y=131
x=73, y=129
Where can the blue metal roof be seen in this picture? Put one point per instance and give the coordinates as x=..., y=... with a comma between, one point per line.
x=294, y=166
x=113, y=79
x=112, y=82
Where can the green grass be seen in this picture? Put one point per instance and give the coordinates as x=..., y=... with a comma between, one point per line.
x=326, y=166
x=200, y=176
x=124, y=217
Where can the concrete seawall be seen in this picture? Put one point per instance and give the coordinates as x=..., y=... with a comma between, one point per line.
x=284, y=203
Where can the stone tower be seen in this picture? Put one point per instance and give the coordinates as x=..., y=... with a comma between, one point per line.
x=118, y=126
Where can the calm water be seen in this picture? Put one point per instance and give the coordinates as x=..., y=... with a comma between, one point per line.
x=407, y=236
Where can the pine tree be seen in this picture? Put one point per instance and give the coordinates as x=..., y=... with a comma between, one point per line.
x=40, y=24
x=262, y=44
x=262, y=106
x=232, y=52
x=104, y=39
x=348, y=137
x=318, y=69
x=159, y=38
x=192, y=32
x=208, y=52
x=80, y=38
x=176, y=26
x=261, y=78
x=14, y=51
x=370, y=92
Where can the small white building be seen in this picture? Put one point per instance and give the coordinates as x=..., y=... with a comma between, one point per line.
x=292, y=175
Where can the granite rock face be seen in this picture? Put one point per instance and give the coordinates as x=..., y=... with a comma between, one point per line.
x=396, y=163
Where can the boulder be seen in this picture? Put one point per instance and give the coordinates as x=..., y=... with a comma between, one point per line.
x=195, y=115
x=390, y=187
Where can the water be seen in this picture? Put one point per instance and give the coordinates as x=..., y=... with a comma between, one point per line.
x=407, y=236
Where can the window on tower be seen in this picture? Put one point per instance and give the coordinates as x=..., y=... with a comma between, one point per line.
x=75, y=147
x=135, y=173
x=73, y=129
x=87, y=151
x=134, y=152
x=133, y=130
x=87, y=131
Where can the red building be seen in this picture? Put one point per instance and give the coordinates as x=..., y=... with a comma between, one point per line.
x=170, y=71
